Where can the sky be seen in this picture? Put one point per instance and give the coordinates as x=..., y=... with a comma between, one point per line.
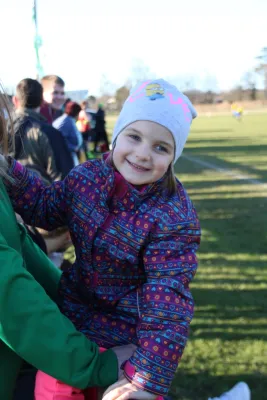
x=203, y=43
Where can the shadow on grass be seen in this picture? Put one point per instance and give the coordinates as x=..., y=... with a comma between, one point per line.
x=230, y=225
x=201, y=331
x=208, y=184
x=243, y=150
x=215, y=140
x=231, y=313
x=232, y=316
x=235, y=282
x=230, y=298
x=188, y=386
x=211, y=155
x=233, y=225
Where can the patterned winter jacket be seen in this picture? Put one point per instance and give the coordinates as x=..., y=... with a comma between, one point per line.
x=135, y=257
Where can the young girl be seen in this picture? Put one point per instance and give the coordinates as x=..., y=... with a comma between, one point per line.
x=135, y=233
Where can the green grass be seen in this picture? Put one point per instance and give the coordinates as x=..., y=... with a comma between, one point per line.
x=228, y=338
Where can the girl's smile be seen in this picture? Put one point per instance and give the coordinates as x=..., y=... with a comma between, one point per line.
x=143, y=152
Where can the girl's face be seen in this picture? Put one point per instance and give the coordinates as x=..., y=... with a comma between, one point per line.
x=143, y=152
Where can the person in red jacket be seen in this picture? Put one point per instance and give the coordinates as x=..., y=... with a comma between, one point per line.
x=84, y=126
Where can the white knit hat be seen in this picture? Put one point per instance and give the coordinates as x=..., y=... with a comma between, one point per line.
x=158, y=101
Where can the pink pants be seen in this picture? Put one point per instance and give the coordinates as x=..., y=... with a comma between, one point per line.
x=48, y=388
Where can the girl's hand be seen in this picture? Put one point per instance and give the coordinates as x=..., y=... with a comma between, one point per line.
x=58, y=243
x=124, y=390
x=123, y=354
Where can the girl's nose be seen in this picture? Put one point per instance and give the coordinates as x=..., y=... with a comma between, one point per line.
x=143, y=153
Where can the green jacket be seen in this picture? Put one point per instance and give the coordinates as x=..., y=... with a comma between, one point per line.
x=31, y=325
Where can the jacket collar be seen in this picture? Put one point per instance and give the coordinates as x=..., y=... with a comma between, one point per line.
x=26, y=112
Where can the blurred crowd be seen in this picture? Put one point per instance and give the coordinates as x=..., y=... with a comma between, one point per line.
x=52, y=135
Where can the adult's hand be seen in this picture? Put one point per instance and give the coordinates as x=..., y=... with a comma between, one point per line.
x=124, y=390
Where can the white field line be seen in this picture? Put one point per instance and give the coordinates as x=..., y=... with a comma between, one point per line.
x=225, y=171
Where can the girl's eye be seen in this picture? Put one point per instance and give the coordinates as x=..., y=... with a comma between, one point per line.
x=161, y=149
x=134, y=137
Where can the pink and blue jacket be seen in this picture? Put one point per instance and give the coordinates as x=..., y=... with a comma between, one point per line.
x=135, y=258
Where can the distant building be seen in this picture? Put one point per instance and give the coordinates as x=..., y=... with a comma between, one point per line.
x=77, y=95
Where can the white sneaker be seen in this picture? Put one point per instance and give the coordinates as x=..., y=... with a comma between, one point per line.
x=239, y=392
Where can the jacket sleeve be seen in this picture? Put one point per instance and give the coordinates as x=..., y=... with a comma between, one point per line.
x=33, y=327
x=165, y=307
x=39, y=205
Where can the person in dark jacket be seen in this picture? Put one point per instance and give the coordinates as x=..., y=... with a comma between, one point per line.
x=42, y=149
x=100, y=130
x=38, y=145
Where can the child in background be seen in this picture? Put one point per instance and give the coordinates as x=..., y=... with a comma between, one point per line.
x=237, y=111
x=100, y=131
x=135, y=233
x=84, y=126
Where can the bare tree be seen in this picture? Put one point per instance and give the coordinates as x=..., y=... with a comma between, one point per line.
x=249, y=83
x=121, y=95
x=238, y=93
x=262, y=68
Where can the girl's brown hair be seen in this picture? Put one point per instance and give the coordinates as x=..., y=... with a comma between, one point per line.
x=6, y=139
x=170, y=181
x=5, y=117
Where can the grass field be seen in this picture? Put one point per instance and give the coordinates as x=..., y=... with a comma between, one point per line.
x=228, y=339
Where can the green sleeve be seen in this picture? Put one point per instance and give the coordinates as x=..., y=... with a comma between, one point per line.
x=39, y=265
x=33, y=327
